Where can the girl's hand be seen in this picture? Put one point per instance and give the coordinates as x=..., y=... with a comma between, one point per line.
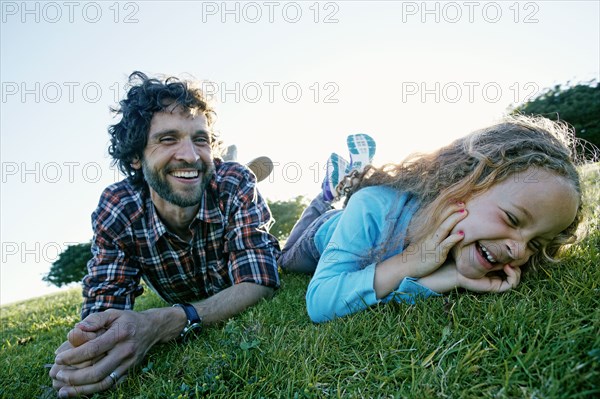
x=491, y=283
x=422, y=258
x=425, y=257
x=446, y=278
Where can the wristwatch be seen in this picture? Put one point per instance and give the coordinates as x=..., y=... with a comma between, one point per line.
x=194, y=321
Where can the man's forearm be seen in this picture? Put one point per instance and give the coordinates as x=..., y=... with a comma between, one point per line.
x=231, y=301
x=170, y=322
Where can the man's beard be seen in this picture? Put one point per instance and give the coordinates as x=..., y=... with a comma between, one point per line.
x=183, y=198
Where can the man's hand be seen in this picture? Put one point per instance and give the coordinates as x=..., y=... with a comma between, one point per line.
x=113, y=341
x=75, y=338
x=110, y=341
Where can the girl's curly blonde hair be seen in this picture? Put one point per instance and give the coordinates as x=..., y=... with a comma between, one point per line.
x=474, y=163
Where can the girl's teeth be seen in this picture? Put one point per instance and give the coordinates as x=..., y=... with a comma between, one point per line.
x=487, y=254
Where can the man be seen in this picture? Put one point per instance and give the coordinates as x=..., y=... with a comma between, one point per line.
x=192, y=226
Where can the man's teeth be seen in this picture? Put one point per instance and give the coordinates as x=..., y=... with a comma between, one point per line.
x=185, y=174
x=487, y=254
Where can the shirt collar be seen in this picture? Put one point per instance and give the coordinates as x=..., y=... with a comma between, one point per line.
x=156, y=227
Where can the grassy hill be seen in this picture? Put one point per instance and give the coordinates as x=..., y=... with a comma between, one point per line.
x=541, y=340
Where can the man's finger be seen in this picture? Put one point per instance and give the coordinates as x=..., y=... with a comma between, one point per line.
x=96, y=372
x=57, y=384
x=98, y=321
x=99, y=377
x=116, y=333
x=86, y=352
x=78, y=337
x=56, y=368
x=63, y=347
x=74, y=391
x=84, y=337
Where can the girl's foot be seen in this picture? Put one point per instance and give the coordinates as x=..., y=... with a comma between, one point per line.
x=335, y=172
x=362, y=149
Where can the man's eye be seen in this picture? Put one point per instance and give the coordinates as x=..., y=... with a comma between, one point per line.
x=201, y=140
x=167, y=139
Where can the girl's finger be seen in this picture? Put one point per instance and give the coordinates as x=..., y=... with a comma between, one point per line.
x=448, y=224
x=513, y=277
x=450, y=242
x=451, y=209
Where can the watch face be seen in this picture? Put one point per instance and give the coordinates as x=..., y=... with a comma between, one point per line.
x=194, y=321
x=195, y=327
x=192, y=329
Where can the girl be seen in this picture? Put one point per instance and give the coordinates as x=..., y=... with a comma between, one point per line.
x=490, y=203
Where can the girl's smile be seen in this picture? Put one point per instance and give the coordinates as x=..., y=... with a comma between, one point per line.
x=513, y=220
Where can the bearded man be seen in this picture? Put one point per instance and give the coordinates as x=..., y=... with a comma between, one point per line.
x=192, y=226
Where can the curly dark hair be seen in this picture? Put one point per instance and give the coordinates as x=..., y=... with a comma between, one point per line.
x=145, y=97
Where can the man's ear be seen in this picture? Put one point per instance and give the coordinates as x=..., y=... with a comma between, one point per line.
x=136, y=163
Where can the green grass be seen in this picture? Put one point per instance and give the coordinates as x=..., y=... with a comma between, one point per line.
x=541, y=340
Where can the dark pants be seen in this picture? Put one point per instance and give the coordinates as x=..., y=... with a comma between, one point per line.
x=300, y=253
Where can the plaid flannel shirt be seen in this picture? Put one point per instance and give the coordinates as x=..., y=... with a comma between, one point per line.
x=230, y=244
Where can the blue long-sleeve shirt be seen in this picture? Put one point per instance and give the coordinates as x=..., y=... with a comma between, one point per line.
x=349, y=242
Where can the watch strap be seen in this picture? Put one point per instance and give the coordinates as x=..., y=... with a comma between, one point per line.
x=194, y=321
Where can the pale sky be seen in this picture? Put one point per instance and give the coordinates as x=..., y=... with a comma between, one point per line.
x=290, y=80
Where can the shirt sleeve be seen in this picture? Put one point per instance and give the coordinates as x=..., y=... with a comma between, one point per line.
x=342, y=284
x=409, y=291
x=113, y=276
x=252, y=250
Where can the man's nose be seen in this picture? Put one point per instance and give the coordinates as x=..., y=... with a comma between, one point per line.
x=186, y=151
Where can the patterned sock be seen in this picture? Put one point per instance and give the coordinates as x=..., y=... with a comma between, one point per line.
x=362, y=150
x=336, y=169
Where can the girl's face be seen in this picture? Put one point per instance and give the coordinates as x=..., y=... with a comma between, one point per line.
x=513, y=220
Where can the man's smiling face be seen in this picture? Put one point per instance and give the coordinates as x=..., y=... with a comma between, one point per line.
x=177, y=161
